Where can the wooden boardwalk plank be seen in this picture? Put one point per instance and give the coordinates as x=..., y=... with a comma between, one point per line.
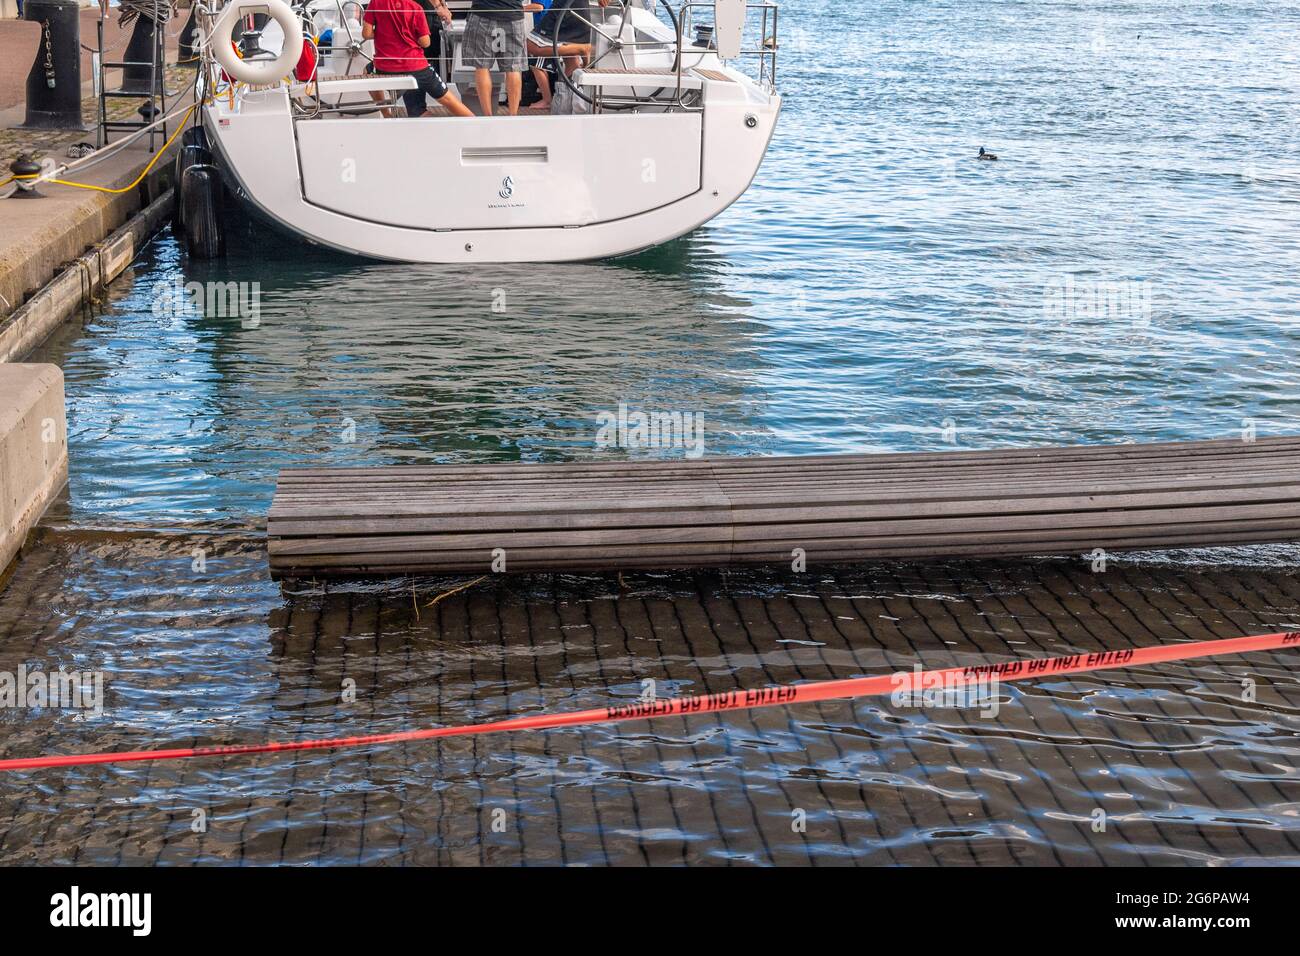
x=759, y=510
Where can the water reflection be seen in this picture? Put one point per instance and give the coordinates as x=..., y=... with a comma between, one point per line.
x=187, y=416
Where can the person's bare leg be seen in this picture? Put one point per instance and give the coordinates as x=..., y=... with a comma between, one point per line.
x=454, y=106
x=377, y=96
x=543, y=87
x=540, y=77
x=483, y=84
x=514, y=90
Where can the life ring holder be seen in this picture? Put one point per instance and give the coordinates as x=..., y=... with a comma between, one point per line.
x=257, y=72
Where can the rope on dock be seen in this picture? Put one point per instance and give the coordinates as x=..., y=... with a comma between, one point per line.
x=180, y=127
x=99, y=155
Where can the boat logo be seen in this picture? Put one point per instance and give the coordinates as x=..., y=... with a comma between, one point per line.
x=506, y=192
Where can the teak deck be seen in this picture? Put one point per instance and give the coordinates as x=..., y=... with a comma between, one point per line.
x=736, y=511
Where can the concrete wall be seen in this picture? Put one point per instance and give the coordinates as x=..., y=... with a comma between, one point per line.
x=85, y=277
x=33, y=449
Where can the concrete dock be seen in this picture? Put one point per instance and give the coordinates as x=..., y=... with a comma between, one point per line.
x=39, y=239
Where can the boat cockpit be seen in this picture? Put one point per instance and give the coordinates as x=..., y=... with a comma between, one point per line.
x=643, y=56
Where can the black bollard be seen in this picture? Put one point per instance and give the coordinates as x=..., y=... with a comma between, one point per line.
x=23, y=168
x=138, y=78
x=54, y=83
x=186, y=52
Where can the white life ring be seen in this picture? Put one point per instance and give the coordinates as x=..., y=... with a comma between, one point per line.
x=257, y=71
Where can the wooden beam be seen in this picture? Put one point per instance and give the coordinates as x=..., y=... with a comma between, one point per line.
x=835, y=508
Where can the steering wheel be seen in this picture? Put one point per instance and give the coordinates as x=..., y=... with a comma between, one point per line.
x=354, y=42
x=615, y=45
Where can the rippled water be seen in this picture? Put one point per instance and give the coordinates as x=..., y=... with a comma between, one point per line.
x=878, y=288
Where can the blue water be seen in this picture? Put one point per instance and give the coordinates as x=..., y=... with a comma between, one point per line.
x=877, y=289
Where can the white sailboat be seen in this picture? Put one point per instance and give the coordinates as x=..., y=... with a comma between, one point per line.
x=659, y=132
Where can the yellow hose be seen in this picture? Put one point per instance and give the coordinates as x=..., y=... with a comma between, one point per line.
x=124, y=189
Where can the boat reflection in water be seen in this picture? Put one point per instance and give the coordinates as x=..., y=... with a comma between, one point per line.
x=301, y=357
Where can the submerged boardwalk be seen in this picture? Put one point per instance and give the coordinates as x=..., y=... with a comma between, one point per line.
x=1162, y=765
x=826, y=509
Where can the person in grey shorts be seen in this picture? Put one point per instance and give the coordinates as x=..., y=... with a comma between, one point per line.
x=495, y=36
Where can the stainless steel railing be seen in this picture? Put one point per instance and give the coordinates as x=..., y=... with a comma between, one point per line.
x=765, y=52
x=683, y=24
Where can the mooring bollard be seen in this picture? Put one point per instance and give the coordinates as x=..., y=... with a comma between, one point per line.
x=186, y=51
x=137, y=77
x=25, y=166
x=54, y=83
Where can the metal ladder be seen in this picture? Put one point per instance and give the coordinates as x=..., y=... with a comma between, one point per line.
x=156, y=96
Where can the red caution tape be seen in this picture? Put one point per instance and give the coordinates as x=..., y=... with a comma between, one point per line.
x=1024, y=669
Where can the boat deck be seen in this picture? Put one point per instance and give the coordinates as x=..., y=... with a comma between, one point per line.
x=1183, y=769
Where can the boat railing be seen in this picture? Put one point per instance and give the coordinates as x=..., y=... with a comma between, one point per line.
x=353, y=41
x=347, y=35
x=675, y=93
x=686, y=57
x=765, y=53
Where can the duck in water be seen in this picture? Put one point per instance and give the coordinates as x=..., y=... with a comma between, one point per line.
x=989, y=156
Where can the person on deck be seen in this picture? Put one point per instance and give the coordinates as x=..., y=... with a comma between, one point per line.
x=495, y=40
x=401, y=35
x=574, y=46
x=434, y=51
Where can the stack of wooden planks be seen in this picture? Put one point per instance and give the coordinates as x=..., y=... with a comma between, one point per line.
x=836, y=508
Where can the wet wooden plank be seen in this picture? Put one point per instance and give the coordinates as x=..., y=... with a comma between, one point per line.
x=717, y=512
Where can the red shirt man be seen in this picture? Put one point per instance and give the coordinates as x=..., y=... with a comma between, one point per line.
x=401, y=33
x=398, y=27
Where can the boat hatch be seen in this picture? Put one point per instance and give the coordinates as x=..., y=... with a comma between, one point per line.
x=521, y=173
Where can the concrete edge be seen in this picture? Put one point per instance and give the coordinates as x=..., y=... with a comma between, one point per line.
x=78, y=220
x=84, y=279
x=33, y=450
